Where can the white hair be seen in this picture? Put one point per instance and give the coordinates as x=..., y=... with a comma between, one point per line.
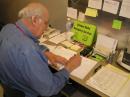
x=29, y=11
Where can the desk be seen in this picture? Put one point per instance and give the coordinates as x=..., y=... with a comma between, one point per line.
x=83, y=81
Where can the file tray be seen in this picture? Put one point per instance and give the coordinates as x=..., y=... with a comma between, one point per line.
x=84, y=33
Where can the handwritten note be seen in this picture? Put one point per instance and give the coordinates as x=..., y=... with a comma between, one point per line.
x=97, y=4
x=111, y=6
x=72, y=13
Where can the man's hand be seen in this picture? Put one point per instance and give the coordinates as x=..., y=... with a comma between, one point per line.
x=54, y=59
x=73, y=63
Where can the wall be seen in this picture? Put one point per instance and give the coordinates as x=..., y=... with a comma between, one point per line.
x=57, y=10
x=104, y=23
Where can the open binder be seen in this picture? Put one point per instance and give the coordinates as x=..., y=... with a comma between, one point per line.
x=111, y=81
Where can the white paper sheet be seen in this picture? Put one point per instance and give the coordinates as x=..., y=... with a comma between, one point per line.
x=59, y=38
x=125, y=9
x=125, y=92
x=85, y=67
x=67, y=53
x=81, y=16
x=111, y=6
x=105, y=45
x=97, y=4
x=72, y=13
x=107, y=81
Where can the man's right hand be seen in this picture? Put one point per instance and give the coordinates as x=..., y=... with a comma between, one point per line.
x=73, y=63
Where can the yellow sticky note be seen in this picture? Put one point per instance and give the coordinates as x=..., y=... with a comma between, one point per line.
x=91, y=12
x=75, y=47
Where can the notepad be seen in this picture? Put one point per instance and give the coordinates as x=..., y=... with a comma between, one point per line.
x=109, y=81
x=84, y=69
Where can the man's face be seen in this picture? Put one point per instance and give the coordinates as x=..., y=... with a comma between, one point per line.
x=43, y=24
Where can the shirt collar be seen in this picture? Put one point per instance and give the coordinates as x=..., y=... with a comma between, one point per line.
x=26, y=31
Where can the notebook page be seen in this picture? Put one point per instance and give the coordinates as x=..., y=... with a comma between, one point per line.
x=107, y=81
x=125, y=92
x=84, y=68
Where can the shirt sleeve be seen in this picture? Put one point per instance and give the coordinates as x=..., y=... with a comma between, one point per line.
x=38, y=75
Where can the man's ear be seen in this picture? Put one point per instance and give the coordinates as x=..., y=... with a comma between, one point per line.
x=35, y=20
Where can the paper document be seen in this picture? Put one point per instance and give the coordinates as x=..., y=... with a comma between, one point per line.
x=111, y=6
x=108, y=81
x=59, y=38
x=42, y=39
x=125, y=91
x=86, y=66
x=54, y=33
x=91, y=12
x=97, y=4
x=125, y=9
x=67, y=43
x=75, y=47
x=72, y=13
x=81, y=16
x=67, y=53
x=105, y=45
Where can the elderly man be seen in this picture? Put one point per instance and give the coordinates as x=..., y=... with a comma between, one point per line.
x=23, y=63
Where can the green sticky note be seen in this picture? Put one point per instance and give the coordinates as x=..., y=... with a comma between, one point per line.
x=117, y=24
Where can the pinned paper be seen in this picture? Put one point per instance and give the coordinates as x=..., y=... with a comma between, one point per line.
x=117, y=24
x=111, y=6
x=125, y=9
x=72, y=13
x=67, y=43
x=97, y=4
x=91, y=12
x=81, y=16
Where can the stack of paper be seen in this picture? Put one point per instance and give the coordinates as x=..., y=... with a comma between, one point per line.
x=58, y=39
x=109, y=81
x=67, y=53
x=67, y=43
x=105, y=45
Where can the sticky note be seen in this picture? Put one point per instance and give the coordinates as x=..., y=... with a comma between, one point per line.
x=91, y=12
x=117, y=24
x=75, y=47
